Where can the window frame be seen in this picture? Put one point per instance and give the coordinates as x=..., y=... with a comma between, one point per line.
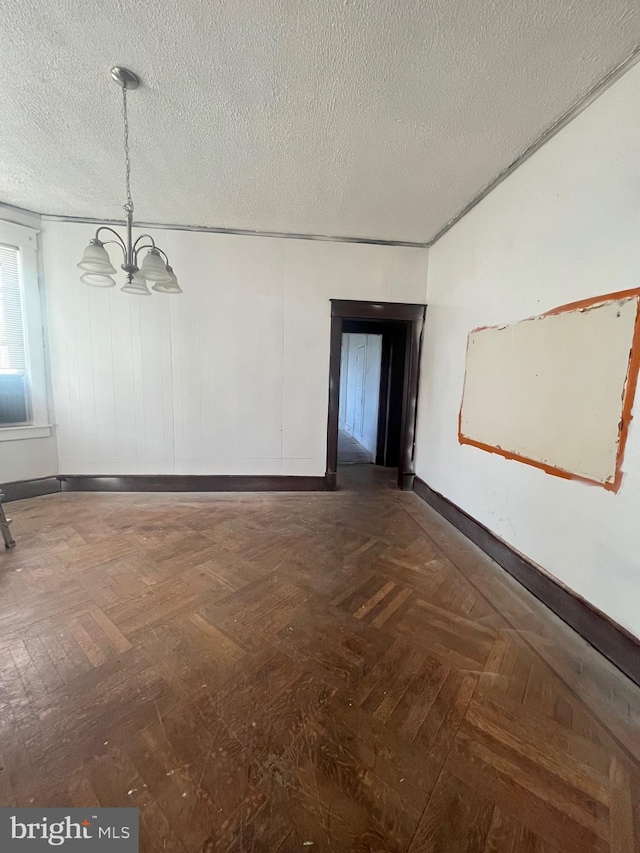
x=26, y=241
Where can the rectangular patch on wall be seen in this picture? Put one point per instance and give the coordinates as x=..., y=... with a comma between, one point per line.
x=556, y=391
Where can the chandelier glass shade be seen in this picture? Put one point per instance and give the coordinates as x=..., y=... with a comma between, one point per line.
x=96, y=263
x=169, y=286
x=96, y=259
x=98, y=279
x=137, y=286
x=153, y=267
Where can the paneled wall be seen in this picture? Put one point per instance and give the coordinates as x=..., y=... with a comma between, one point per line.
x=229, y=378
x=565, y=226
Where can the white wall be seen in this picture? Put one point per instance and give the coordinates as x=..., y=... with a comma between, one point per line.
x=361, y=357
x=29, y=457
x=564, y=226
x=229, y=378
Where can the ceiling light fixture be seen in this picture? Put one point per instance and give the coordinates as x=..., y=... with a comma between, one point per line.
x=96, y=264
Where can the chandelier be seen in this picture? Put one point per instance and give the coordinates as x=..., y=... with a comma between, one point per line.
x=155, y=267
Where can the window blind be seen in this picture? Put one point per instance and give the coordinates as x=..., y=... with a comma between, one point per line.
x=12, y=344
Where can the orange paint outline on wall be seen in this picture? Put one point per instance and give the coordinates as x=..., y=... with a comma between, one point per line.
x=628, y=396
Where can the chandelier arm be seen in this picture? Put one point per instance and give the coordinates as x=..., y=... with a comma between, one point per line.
x=141, y=237
x=115, y=234
x=147, y=246
x=117, y=243
x=139, y=249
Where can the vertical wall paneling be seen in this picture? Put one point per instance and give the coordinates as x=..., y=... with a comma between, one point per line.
x=360, y=387
x=230, y=377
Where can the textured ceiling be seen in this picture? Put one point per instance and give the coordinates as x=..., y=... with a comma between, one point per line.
x=359, y=118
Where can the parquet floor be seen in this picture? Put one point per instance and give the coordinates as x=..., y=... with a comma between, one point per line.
x=325, y=672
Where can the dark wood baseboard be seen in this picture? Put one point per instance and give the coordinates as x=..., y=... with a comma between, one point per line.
x=190, y=483
x=21, y=489
x=598, y=629
x=331, y=481
x=407, y=482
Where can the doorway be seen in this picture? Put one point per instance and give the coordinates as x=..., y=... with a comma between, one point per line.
x=373, y=386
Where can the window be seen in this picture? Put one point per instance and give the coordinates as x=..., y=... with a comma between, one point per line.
x=14, y=386
x=23, y=390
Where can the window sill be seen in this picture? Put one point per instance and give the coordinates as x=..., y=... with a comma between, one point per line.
x=19, y=433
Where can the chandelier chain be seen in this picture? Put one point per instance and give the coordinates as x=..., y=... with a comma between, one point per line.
x=127, y=163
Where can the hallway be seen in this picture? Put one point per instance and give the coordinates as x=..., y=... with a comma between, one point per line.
x=338, y=670
x=351, y=452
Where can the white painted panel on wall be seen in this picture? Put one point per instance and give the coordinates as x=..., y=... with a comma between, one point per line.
x=227, y=341
x=361, y=357
x=552, y=390
x=27, y=459
x=351, y=344
x=369, y=435
x=344, y=374
x=359, y=367
x=111, y=368
x=229, y=378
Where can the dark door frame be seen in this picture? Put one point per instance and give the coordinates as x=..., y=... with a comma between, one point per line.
x=413, y=315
